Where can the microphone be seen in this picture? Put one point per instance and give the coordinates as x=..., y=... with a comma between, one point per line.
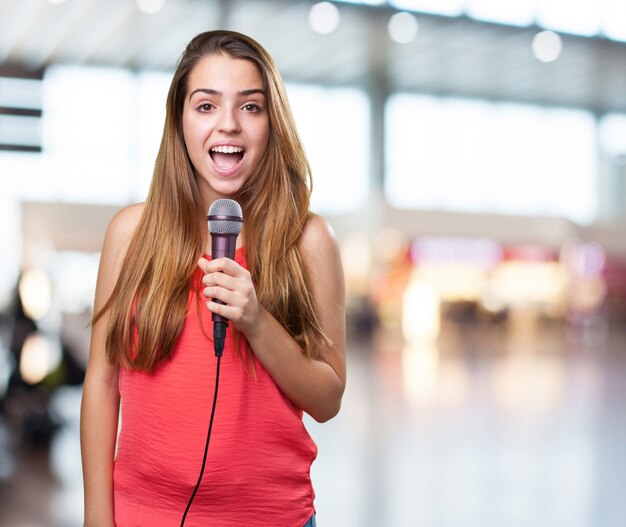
x=225, y=222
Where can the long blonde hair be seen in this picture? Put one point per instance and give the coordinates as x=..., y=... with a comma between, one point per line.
x=148, y=305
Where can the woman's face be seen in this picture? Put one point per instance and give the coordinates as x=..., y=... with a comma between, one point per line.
x=225, y=124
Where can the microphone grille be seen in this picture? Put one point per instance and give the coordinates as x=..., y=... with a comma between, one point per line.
x=225, y=217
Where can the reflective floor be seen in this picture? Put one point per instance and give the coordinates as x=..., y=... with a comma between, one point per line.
x=518, y=426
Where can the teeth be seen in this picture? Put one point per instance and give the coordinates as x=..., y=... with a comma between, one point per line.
x=227, y=149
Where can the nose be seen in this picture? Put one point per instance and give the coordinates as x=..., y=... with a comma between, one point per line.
x=229, y=122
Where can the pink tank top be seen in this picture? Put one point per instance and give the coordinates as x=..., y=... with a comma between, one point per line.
x=258, y=465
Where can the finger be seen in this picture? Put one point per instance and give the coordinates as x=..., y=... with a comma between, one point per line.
x=202, y=264
x=219, y=293
x=220, y=279
x=227, y=266
x=223, y=310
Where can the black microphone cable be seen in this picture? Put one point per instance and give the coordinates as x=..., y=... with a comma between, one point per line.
x=225, y=221
x=218, y=354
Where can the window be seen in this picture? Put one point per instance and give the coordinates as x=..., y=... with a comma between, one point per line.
x=334, y=126
x=475, y=156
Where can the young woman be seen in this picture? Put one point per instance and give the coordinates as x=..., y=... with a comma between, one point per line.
x=229, y=133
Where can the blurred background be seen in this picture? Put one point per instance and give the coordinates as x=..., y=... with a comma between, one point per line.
x=471, y=157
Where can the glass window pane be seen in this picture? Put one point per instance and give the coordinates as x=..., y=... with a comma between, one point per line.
x=612, y=131
x=89, y=133
x=152, y=88
x=571, y=164
x=614, y=19
x=334, y=126
x=20, y=130
x=581, y=17
x=517, y=170
x=515, y=12
x=364, y=2
x=438, y=7
x=475, y=156
x=414, y=145
x=20, y=93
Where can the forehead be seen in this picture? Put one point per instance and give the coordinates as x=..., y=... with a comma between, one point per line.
x=224, y=73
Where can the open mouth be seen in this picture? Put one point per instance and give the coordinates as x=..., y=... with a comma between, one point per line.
x=226, y=157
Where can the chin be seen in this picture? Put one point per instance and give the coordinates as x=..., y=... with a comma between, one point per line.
x=226, y=188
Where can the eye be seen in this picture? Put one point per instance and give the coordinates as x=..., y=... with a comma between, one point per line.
x=252, y=107
x=205, y=107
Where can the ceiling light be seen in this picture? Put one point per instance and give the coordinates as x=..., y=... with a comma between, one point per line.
x=324, y=17
x=547, y=46
x=402, y=27
x=150, y=6
x=56, y=2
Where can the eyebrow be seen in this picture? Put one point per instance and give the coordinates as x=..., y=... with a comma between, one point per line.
x=243, y=93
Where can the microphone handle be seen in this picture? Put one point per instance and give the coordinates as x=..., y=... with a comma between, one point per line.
x=222, y=246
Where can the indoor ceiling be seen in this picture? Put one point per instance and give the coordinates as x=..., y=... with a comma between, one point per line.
x=450, y=56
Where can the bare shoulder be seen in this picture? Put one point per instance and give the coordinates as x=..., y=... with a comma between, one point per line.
x=321, y=257
x=318, y=237
x=320, y=254
x=123, y=224
x=116, y=241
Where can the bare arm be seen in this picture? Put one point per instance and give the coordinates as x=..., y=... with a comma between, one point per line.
x=316, y=386
x=100, y=402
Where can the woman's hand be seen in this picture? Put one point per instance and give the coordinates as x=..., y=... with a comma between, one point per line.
x=225, y=280
x=314, y=385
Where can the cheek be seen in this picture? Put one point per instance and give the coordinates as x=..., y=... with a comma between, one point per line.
x=193, y=125
x=193, y=145
x=193, y=137
x=187, y=135
x=263, y=137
